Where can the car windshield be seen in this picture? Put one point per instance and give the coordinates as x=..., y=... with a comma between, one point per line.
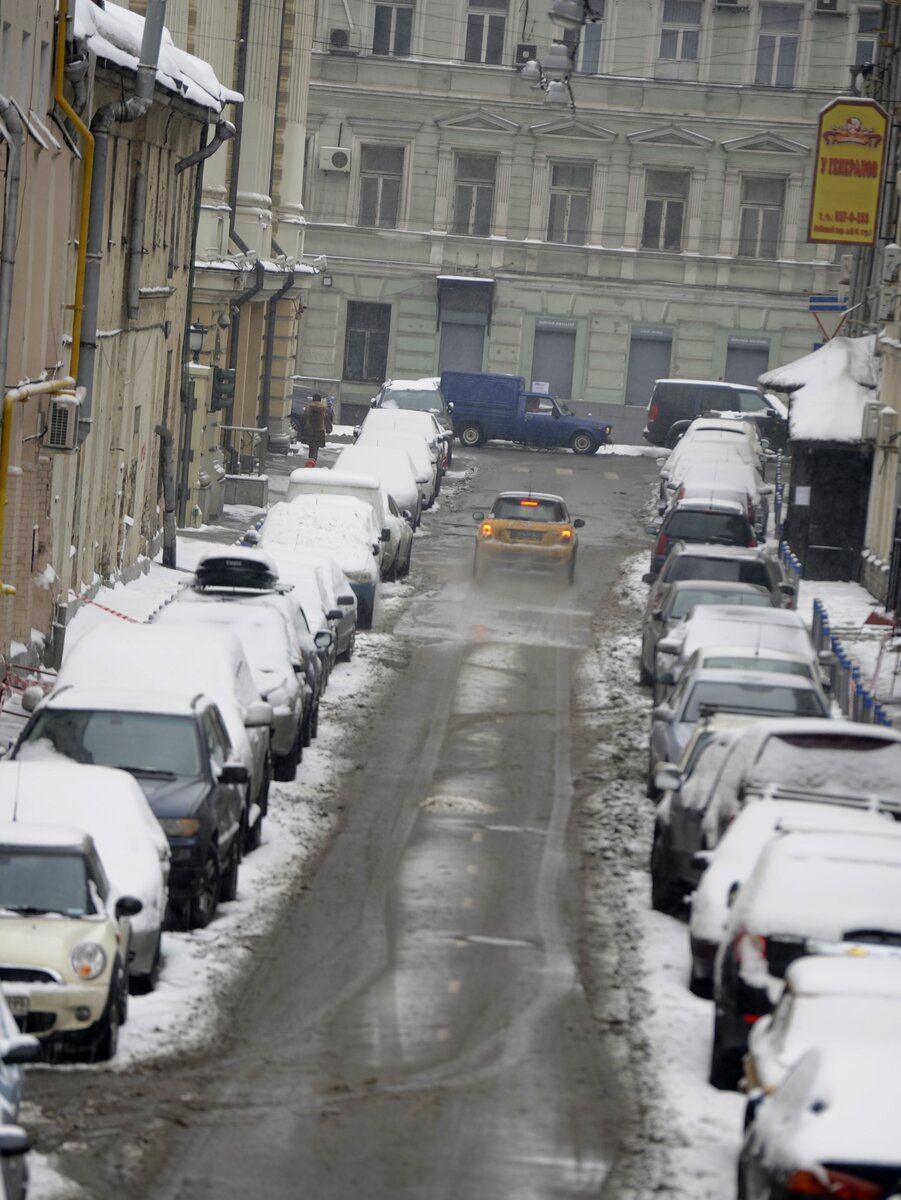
x=709, y=696
x=527, y=508
x=723, y=570
x=685, y=601
x=834, y=763
x=406, y=398
x=731, y=529
x=150, y=743
x=34, y=882
x=737, y=662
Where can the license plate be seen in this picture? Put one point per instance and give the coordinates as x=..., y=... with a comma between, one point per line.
x=526, y=535
x=19, y=1006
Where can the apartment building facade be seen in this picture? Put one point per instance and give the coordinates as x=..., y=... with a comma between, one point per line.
x=654, y=225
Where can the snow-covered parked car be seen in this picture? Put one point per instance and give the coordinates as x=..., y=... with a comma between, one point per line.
x=853, y=1000
x=729, y=864
x=830, y=1130
x=425, y=468
x=64, y=940
x=339, y=526
x=380, y=421
x=810, y=893
x=312, y=481
x=177, y=748
x=240, y=575
x=337, y=596
x=419, y=395
x=395, y=470
x=111, y=807
x=264, y=639
x=207, y=660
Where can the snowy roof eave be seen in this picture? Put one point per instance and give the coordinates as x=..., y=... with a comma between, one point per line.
x=115, y=34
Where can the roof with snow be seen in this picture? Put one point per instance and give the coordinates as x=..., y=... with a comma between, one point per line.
x=113, y=33
x=829, y=389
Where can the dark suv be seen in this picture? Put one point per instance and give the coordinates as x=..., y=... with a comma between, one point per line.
x=178, y=750
x=675, y=403
x=722, y=522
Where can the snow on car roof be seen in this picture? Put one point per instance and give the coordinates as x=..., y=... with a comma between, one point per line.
x=329, y=477
x=753, y=828
x=714, y=504
x=819, y=885
x=115, y=34
x=27, y=833
x=341, y=526
x=818, y=975
x=711, y=550
x=715, y=613
x=430, y=383
x=144, y=699
x=840, y=1103
x=738, y=387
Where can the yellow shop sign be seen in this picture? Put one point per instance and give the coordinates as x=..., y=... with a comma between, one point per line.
x=847, y=184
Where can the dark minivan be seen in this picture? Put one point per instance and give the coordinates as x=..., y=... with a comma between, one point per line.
x=675, y=403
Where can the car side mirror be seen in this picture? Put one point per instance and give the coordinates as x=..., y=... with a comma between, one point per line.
x=259, y=715
x=22, y=1049
x=13, y=1141
x=657, y=614
x=648, y=577
x=406, y=514
x=652, y=530
x=374, y=402
x=31, y=697
x=788, y=589
x=555, y=413
x=357, y=430
x=234, y=772
x=323, y=639
x=478, y=516
x=450, y=406
x=667, y=777
x=347, y=599
x=375, y=548
x=386, y=535
x=128, y=906
x=770, y=412
x=661, y=712
x=578, y=523
x=666, y=678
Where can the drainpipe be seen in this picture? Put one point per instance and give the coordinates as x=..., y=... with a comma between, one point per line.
x=13, y=133
x=268, y=355
x=255, y=288
x=120, y=112
x=224, y=131
x=87, y=175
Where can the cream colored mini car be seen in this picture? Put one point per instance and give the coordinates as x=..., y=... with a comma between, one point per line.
x=64, y=941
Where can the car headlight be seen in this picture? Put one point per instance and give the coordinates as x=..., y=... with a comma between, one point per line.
x=88, y=960
x=180, y=826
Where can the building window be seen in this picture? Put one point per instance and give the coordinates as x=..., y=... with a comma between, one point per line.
x=570, y=195
x=777, y=46
x=381, y=171
x=366, y=341
x=666, y=193
x=761, y=217
x=474, y=194
x=485, y=26
x=393, y=28
x=585, y=44
x=866, y=43
x=680, y=34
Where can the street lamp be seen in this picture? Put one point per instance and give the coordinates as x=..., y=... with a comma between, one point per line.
x=196, y=334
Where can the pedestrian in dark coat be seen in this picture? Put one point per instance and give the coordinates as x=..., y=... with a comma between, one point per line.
x=315, y=425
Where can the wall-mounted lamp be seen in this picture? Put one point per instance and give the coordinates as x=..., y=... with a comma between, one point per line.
x=196, y=335
x=326, y=281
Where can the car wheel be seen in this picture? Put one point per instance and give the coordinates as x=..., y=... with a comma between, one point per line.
x=228, y=887
x=142, y=985
x=205, y=900
x=314, y=724
x=284, y=766
x=307, y=734
x=725, y=1063
x=645, y=678
x=698, y=985
x=471, y=435
x=351, y=645
x=107, y=1042
x=666, y=894
x=583, y=443
x=674, y=437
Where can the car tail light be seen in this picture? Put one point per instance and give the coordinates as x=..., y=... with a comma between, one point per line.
x=566, y=535
x=529, y=503
x=835, y=1184
x=486, y=529
x=662, y=543
x=653, y=413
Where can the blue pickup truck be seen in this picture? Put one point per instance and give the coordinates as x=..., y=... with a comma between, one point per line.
x=489, y=406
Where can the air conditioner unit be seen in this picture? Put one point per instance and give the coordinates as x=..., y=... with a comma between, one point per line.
x=339, y=42
x=525, y=52
x=887, y=426
x=891, y=262
x=847, y=268
x=830, y=8
x=61, y=433
x=870, y=423
x=334, y=158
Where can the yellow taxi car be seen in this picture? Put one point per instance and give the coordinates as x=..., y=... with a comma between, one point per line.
x=528, y=529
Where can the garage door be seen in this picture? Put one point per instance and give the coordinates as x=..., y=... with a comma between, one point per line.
x=553, y=354
x=650, y=354
x=747, y=359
